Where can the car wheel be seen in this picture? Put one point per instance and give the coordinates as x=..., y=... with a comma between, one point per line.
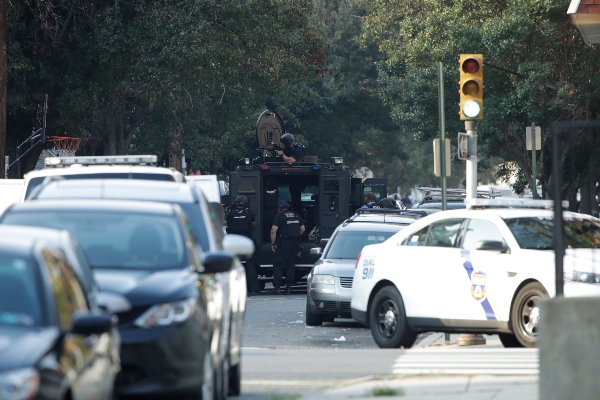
x=525, y=314
x=387, y=319
x=509, y=340
x=222, y=379
x=312, y=318
x=208, y=382
x=235, y=379
x=328, y=318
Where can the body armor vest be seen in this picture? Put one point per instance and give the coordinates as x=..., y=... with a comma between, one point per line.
x=291, y=230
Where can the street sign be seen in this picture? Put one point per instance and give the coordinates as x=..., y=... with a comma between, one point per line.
x=538, y=138
x=463, y=146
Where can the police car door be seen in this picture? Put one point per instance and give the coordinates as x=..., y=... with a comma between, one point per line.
x=435, y=270
x=488, y=268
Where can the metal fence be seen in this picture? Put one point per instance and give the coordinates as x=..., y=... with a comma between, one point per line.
x=574, y=165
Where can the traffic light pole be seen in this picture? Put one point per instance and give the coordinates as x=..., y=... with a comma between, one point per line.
x=471, y=128
x=469, y=339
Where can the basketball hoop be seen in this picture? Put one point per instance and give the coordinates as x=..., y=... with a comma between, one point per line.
x=65, y=146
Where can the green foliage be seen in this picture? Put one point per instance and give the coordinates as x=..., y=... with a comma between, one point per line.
x=385, y=391
x=165, y=76
x=536, y=67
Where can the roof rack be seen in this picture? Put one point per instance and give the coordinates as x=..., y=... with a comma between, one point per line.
x=432, y=191
x=392, y=211
x=512, y=203
x=62, y=162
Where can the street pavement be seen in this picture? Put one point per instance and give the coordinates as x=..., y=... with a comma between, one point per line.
x=435, y=369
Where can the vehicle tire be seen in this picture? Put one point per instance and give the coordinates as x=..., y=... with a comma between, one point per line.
x=208, y=382
x=222, y=379
x=235, y=379
x=328, y=318
x=312, y=319
x=509, y=340
x=525, y=314
x=387, y=319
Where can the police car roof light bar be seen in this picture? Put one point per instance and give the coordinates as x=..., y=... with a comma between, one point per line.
x=61, y=162
x=511, y=203
x=492, y=193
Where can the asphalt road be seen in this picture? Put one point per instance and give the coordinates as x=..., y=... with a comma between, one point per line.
x=278, y=322
x=282, y=357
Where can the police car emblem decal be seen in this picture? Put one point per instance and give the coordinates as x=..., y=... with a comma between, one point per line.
x=478, y=290
x=478, y=285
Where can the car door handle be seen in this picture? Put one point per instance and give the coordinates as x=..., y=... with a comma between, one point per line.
x=511, y=274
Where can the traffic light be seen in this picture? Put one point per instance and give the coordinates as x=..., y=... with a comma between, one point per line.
x=471, y=86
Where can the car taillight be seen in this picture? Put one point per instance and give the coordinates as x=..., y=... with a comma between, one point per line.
x=357, y=260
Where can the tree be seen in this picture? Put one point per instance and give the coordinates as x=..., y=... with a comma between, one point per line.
x=536, y=68
x=167, y=76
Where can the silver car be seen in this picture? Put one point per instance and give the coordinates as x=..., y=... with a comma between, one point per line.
x=329, y=284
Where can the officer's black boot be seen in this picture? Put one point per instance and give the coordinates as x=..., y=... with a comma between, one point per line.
x=288, y=289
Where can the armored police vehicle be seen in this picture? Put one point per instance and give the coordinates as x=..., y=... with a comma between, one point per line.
x=324, y=194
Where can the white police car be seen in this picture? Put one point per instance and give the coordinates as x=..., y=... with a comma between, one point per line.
x=472, y=271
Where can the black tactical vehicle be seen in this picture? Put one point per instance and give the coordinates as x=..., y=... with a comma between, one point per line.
x=324, y=194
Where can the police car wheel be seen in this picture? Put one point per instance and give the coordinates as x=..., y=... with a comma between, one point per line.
x=509, y=340
x=387, y=319
x=525, y=314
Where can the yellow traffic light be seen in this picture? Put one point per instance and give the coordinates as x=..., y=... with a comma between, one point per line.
x=471, y=86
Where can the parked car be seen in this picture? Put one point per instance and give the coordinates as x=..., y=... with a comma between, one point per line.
x=330, y=281
x=52, y=344
x=146, y=260
x=206, y=229
x=471, y=271
x=99, y=167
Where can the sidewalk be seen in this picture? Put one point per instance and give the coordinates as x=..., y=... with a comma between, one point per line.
x=436, y=387
x=430, y=387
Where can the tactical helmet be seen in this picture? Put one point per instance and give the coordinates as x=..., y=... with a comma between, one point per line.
x=385, y=203
x=282, y=204
x=241, y=199
x=287, y=139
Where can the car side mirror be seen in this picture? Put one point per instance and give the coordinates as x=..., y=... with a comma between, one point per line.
x=494, y=245
x=217, y=261
x=323, y=243
x=93, y=323
x=239, y=245
x=316, y=251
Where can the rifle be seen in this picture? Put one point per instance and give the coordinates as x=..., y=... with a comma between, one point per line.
x=273, y=148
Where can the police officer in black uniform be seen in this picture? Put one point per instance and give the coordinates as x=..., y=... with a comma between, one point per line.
x=240, y=220
x=292, y=152
x=285, y=238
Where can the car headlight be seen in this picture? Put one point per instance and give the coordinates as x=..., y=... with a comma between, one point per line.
x=578, y=276
x=20, y=384
x=167, y=314
x=323, y=279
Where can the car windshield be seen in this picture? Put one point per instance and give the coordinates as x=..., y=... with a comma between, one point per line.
x=347, y=245
x=115, y=239
x=19, y=293
x=537, y=233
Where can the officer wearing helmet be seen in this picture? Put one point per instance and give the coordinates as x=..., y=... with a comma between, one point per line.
x=386, y=203
x=285, y=238
x=292, y=152
x=240, y=220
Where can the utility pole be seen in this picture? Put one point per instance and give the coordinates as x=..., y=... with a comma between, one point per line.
x=3, y=83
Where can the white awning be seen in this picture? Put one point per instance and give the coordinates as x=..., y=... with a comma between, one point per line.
x=586, y=18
